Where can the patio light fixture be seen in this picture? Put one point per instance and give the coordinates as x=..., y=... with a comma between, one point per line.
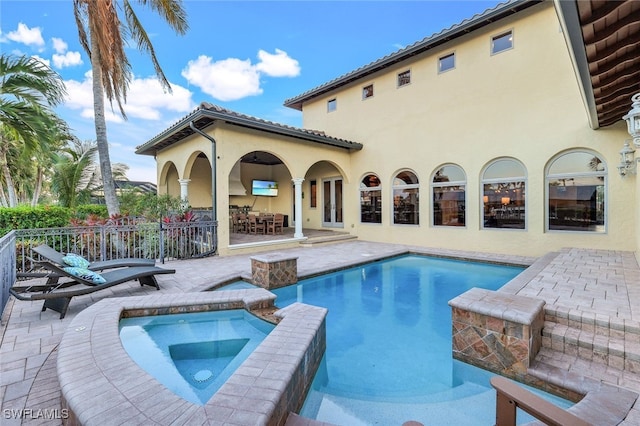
x=628, y=162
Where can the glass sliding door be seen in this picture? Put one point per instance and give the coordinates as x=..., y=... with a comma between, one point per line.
x=332, y=202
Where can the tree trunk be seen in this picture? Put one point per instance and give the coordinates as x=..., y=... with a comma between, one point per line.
x=108, y=184
x=38, y=186
x=11, y=190
x=3, y=198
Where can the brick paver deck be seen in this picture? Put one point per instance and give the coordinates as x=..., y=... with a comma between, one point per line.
x=584, y=283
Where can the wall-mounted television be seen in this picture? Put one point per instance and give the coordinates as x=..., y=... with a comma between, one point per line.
x=267, y=188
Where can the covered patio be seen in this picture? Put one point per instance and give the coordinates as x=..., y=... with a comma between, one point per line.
x=240, y=164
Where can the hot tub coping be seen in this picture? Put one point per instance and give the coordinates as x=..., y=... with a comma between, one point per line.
x=99, y=380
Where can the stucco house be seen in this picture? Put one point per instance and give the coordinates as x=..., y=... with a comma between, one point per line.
x=500, y=134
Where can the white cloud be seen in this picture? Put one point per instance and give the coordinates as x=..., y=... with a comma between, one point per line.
x=145, y=100
x=67, y=59
x=232, y=79
x=26, y=35
x=59, y=45
x=43, y=60
x=226, y=80
x=62, y=58
x=278, y=65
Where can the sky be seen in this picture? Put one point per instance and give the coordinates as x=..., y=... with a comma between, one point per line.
x=246, y=56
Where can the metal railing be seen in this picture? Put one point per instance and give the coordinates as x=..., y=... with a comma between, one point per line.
x=7, y=266
x=153, y=240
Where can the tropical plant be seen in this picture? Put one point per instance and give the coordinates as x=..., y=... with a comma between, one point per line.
x=77, y=175
x=149, y=205
x=102, y=35
x=29, y=129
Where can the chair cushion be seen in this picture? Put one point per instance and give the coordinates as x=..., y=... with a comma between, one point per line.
x=76, y=260
x=85, y=274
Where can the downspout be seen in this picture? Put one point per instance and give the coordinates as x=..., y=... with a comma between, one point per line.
x=214, y=190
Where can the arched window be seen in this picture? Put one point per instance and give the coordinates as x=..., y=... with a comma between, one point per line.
x=503, y=195
x=576, y=195
x=370, y=199
x=448, y=193
x=405, y=199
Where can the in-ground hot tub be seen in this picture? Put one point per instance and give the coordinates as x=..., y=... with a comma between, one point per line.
x=193, y=354
x=100, y=381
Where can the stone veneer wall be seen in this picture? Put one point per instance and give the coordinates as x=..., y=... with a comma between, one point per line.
x=101, y=383
x=274, y=270
x=497, y=331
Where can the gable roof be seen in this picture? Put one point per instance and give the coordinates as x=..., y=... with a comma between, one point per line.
x=207, y=114
x=468, y=25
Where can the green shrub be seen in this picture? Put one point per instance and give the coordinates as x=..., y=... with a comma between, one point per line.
x=150, y=206
x=85, y=210
x=25, y=217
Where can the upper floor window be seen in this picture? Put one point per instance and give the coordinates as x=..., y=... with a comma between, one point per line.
x=447, y=62
x=370, y=199
x=332, y=105
x=448, y=187
x=367, y=91
x=404, y=78
x=503, y=195
x=406, y=199
x=502, y=42
x=576, y=196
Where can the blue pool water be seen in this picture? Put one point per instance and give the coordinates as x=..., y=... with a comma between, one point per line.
x=388, y=357
x=193, y=354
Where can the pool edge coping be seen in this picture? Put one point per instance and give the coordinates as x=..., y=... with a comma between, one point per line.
x=99, y=380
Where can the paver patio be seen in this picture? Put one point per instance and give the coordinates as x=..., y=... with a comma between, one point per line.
x=591, y=282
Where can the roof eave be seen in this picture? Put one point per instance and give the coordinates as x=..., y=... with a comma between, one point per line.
x=149, y=148
x=567, y=12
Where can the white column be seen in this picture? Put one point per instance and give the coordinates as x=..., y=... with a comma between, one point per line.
x=184, y=192
x=297, y=184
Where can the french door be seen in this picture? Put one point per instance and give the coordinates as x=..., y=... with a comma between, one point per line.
x=332, y=202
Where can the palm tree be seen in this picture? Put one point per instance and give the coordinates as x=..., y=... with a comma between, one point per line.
x=29, y=91
x=28, y=126
x=76, y=174
x=101, y=35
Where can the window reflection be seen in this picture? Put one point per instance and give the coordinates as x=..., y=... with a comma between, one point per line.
x=406, y=199
x=370, y=200
x=503, y=195
x=448, y=189
x=576, y=193
x=502, y=42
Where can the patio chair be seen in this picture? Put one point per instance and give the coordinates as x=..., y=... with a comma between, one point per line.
x=239, y=222
x=256, y=226
x=276, y=225
x=55, y=256
x=57, y=296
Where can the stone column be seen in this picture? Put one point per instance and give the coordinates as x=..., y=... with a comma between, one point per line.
x=497, y=331
x=184, y=191
x=297, y=183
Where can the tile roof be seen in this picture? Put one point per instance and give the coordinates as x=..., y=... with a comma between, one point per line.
x=206, y=114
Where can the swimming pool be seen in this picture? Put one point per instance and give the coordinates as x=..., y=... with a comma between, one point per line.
x=193, y=354
x=389, y=356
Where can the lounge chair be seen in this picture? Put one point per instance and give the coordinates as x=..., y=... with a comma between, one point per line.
x=57, y=257
x=57, y=296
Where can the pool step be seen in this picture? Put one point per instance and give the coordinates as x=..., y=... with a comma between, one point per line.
x=618, y=351
x=608, y=400
x=438, y=408
x=327, y=239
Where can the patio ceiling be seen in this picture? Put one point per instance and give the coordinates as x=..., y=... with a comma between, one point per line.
x=604, y=40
